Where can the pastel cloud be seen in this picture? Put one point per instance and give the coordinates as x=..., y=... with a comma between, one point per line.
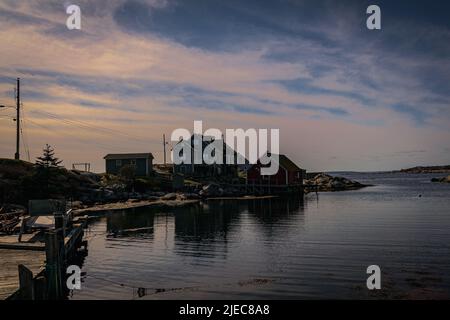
x=137, y=68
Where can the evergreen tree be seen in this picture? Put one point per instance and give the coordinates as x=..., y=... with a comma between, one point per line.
x=48, y=159
x=45, y=177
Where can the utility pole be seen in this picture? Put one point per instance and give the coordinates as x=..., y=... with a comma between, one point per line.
x=164, y=143
x=17, y=155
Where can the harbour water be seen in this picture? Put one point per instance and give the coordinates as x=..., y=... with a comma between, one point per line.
x=313, y=248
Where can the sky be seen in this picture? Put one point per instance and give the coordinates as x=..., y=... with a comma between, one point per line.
x=344, y=97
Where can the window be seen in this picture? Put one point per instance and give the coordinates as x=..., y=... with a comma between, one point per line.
x=118, y=163
x=133, y=162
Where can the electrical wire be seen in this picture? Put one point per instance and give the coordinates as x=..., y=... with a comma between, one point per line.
x=100, y=129
x=23, y=133
x=97, y=144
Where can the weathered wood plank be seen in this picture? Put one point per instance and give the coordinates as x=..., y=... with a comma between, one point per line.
x=9, y=261
x=22, y=246
x=26, y=283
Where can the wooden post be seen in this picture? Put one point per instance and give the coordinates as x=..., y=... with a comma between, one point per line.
x=59, y=223
x=26, y=283
x=40, y=288
x=22, y=228
x=54, y=264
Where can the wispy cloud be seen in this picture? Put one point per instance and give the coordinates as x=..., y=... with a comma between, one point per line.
x=303, y=66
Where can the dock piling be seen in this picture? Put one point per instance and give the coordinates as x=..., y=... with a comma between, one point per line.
x=26, y=283
x=54, y=245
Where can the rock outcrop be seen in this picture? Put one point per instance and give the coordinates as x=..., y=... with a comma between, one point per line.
x=325, y=182
x=211, y=190
x=427, y=169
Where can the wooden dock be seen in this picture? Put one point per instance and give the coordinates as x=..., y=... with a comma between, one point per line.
x=35, y=257
x=9, y=261
x=11, y=242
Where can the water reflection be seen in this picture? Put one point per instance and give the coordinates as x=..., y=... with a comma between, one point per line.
x=202, y=231
x=130, y=223
x=276, y=218
x=276, y=248
x=270, y=211
x=208, y=221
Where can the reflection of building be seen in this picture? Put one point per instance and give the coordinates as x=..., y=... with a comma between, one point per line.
x=164, y=232
x=206, y=221
x=130, y=221
x=203, y=230
x=279, y=216
x=277, y=207
x=289, y=174
x=142, y=162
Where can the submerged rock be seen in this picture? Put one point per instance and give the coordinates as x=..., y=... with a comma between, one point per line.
x=442, y=180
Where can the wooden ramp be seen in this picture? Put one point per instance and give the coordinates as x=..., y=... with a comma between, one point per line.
x=9, y=261
x=28, y=242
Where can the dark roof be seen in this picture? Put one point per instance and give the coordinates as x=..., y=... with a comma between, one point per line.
x=286, y=163
x=120, y=156
x=205, y=143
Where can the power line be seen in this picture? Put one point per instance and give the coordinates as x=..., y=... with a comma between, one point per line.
x=9, y=78
x=24, y=143
x=100, y=129
x=17, y=154
x=97, y=144
x=65, y=133
x=24, y=136
x=84, y=127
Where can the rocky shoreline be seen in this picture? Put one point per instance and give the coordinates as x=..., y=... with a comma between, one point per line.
x=325, y=182
x=427, y=169
x=91, y=192
x=133, y=203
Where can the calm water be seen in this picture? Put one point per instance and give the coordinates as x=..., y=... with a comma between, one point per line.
x=281, y=248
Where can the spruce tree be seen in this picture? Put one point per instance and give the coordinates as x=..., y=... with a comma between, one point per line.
x=46, y=173
x=48, y=159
